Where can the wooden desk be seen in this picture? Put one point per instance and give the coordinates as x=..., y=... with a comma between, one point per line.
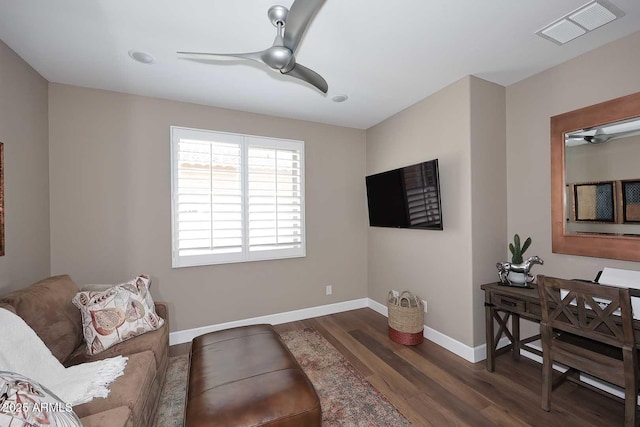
x=501, y=303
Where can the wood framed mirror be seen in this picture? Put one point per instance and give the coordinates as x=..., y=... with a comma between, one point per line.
x=596, y=130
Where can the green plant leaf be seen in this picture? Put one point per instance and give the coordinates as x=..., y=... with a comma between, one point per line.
x=526, y=245
x=516, y=240
x=512, y=249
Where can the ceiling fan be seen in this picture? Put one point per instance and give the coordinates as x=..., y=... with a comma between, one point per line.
x=291, y=26
x=599, y=136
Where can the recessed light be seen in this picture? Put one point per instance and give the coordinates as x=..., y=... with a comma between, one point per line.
x=142, y=57
x=339, y=98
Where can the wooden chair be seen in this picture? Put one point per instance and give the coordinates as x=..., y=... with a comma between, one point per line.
x=585, y=333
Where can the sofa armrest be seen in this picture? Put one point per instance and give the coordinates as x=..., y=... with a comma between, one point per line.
x=162, y=309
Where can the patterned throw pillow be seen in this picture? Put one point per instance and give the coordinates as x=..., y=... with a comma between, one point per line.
x=117, y=314
x=25, y=403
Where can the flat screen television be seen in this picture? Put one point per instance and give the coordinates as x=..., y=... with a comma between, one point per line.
x=407, y=197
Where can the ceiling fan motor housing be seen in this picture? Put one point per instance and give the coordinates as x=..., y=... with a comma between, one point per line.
x=278, y=15
x=277, y=57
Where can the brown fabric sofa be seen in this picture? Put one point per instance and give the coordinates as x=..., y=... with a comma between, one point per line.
x=46, y=307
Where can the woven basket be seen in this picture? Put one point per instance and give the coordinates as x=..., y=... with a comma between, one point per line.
x=406, y=318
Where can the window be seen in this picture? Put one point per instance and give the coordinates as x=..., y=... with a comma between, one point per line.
x=235, y=198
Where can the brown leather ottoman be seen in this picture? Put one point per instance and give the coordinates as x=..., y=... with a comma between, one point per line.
x=247, y=377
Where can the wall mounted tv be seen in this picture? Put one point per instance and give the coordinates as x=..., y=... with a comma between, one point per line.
x=408, y=197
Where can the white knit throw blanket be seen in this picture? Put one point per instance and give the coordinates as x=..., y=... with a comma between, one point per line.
x=23, y=352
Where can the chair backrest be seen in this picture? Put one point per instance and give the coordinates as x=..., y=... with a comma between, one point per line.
x=599, y=312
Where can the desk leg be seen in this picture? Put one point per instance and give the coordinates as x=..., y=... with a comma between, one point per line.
x=488, y=315
x=493, y=338
x=515, y=332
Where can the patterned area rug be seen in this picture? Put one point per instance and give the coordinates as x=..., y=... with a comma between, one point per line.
x=174, y=393
x=346, y=397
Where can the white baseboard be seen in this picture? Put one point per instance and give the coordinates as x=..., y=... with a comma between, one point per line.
x=187, y=335
x=472, y=354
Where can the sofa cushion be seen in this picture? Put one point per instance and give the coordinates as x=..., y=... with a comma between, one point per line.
x=26, y=402
x=117, y=314
x=156, y=341
x=130, y=390
x=46, y=307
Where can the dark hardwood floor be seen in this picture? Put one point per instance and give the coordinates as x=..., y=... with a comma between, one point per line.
x=433, y=387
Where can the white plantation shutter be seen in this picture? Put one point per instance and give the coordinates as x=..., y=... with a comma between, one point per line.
x=235, y=197
x=275, y=197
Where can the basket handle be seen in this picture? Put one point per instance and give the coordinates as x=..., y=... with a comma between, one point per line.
x=391, y=299
x=410, y=298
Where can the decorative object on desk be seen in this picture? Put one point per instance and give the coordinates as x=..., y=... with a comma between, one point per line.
x=406, y=318
x=516, y=272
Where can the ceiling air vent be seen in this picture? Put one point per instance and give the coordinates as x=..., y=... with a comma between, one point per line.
x=582, y=20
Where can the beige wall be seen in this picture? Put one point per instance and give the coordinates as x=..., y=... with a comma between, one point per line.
x=604, y=73
x=488, y=192
x=24, y=132
x=427, y=262
x=530, y=104
x=110, y=207
x=463, y=126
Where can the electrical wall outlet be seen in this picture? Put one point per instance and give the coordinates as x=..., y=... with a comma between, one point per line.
x=425, y=305
x=329, y=290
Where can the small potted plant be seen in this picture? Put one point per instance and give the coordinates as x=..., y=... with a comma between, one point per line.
x=516, y=272
x=516, y=250
x=516, y=277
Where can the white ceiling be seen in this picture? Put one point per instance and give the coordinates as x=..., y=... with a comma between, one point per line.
x=385, y=55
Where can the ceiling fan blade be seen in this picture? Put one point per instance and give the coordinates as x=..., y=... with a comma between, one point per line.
x=212, y=57
x=300, y=14
x=303, y=73
x=599, y=136
x=576, y=136
x=630, y=132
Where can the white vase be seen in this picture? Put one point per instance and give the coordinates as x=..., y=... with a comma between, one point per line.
x=517, y=278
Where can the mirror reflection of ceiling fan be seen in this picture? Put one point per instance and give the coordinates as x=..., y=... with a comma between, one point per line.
x=602, y=134
x=290, y=28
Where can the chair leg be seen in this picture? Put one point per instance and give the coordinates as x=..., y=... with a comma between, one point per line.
x=630, y=360
x=547, y=383
x=630, y=408
x=547, y=368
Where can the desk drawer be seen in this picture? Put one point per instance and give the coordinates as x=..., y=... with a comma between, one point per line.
x=535, y=310
x=508, y=303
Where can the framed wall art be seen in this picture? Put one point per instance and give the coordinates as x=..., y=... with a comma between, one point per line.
x=594, y=202
x=631, y=201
